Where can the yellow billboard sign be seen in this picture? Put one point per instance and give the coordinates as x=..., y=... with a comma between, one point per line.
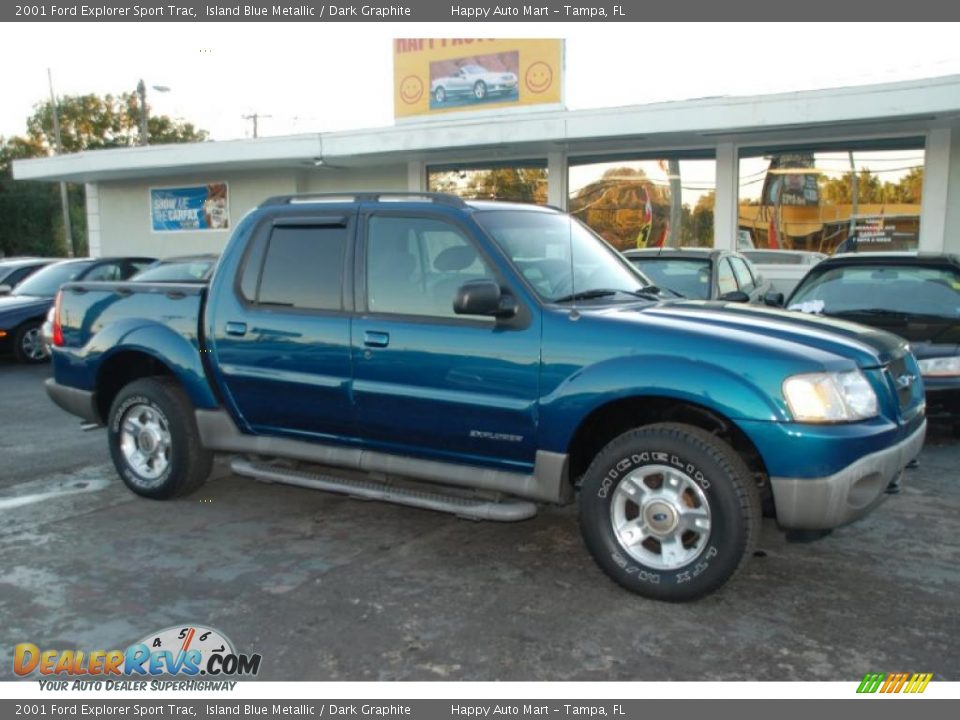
x=432, y=76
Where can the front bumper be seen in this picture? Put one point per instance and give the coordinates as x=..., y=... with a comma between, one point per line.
x=943, y=398
x=76, y=402
x=827, y=502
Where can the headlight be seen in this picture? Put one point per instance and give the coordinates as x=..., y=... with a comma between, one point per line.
x=940, y=367
x=830, y=397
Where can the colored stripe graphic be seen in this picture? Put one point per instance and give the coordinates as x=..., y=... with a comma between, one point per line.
x=871, y=683
x=894, y=683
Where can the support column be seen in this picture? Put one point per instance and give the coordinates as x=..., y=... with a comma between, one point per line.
x=935, y=205
x=92, y=192
x=725, y=209
x=951, y=240
x=557, y=180
x=416, y=176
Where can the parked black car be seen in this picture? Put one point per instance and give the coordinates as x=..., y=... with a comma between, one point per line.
x=916, y=296
x=184, y=268
x=22, y=312
x=701, y=273
x=14, y=271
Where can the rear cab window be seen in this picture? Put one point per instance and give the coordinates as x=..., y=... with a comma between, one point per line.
x=298, y=267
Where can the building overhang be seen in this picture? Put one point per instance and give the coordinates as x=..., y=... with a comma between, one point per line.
x=901, y=108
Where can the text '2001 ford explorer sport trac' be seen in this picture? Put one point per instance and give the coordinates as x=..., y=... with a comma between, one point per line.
x=480, y=357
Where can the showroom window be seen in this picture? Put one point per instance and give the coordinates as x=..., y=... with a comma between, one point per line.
x=523, y=181
x=651, y=201
x=832, y=198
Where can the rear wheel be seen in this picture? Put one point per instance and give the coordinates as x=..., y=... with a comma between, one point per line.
x=28, y=344
x=440, y=95
x=154, y=441
x=480, y=90
x=669, y=511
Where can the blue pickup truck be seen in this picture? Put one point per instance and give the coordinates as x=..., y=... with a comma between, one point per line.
x=480, y=358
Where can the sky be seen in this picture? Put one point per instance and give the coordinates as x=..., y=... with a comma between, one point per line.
x=313, y=77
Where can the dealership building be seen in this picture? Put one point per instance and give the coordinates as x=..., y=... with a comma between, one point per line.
x=793, y=170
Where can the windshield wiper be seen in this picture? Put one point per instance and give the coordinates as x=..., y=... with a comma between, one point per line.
x=904, y=315
x=868, y=311
x=649, y=293
x=657, y=290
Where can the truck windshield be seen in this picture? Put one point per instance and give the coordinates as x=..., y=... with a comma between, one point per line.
x=560, y=257
x=46, y=282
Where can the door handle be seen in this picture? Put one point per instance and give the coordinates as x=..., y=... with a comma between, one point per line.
x=376, y=339
x=236, y=328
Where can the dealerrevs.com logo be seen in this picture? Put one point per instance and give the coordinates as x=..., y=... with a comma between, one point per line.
x=184, y=651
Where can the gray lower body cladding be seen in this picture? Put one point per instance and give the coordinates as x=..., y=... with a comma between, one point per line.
x=548, y=483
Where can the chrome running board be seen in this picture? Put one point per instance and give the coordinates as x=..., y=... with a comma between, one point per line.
x=473, y=508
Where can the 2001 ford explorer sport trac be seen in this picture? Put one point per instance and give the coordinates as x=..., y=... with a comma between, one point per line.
x=477, y=357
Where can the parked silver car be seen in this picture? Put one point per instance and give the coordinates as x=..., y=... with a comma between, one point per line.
x=473, y=82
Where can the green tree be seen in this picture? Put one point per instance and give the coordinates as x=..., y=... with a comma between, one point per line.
x=91, y=122
x=30, y=215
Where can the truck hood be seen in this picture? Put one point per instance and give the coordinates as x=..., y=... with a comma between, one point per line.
x=868, y=347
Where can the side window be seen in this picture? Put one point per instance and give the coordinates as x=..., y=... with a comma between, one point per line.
x=106, y=272
x=16, y=276
x=726, y=282
x=303, y=268
x=135, y=266
x=250, y=270
x=744, y=276
x=416, y=265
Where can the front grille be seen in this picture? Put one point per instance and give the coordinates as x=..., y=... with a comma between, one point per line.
x=905, y=382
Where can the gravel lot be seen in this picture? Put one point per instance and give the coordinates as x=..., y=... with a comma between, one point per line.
x=328, y=588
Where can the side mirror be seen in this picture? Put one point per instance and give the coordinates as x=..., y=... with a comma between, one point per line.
x=5, y=289
x=484, y=297
x=735, y=296
x=774, y=299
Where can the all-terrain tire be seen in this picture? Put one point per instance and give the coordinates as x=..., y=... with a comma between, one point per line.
x=154, y=440
x=645, y=469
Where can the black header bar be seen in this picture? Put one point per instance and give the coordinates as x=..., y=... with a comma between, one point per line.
x=468, y=11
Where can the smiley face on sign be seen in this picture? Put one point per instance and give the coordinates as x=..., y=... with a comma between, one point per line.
x=411, y=89
x=539, y=77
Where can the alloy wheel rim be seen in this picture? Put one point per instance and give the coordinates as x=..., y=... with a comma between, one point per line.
x=145, y=442
x=661, y=517
x=32, y=345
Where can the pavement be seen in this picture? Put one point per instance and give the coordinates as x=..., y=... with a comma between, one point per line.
x=329, y=588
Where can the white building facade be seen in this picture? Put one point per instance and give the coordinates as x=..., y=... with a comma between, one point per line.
x=891, y=129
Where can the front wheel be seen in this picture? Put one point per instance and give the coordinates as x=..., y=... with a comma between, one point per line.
x=669, y=511
x=154, y=441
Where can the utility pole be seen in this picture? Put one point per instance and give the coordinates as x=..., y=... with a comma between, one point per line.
x=64, y=198
x=142, y=92
x=255, y=117
x=144, y=113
